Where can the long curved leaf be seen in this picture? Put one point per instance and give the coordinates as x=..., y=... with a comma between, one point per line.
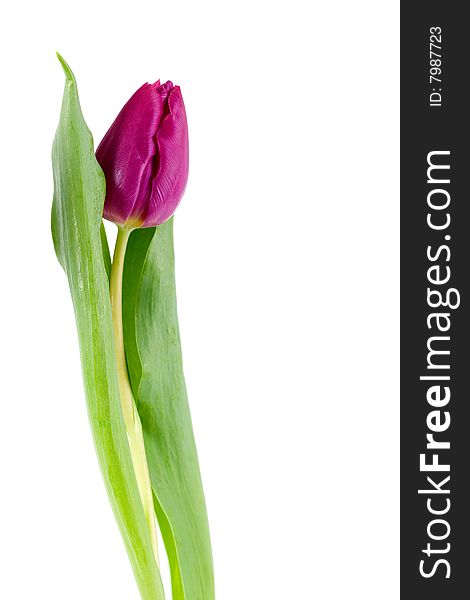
x=79, y=190
x=153, y=351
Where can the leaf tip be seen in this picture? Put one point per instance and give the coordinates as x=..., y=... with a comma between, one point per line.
x=67, y=70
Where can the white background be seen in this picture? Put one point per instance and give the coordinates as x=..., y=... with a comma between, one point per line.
x=287, y=274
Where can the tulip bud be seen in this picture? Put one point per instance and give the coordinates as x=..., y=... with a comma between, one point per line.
x=144, y=156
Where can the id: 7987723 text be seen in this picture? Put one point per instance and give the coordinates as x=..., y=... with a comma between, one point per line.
x=435, y=66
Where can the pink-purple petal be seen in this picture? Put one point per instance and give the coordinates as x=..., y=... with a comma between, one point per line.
x=126, y=154
x=170, y=180
x=144, y=156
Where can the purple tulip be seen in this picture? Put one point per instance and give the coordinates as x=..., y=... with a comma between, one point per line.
x=144, y=156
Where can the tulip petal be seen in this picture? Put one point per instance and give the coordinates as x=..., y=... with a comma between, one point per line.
x=169, y=183
x=126, y=155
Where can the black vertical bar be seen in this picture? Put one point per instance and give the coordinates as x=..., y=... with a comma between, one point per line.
x=436, y=123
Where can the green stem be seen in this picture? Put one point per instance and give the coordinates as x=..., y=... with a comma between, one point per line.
x=129, y=410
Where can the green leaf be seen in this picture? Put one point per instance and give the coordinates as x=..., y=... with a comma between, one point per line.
x=153, y=351
x=105, y=249
x=79, y=190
